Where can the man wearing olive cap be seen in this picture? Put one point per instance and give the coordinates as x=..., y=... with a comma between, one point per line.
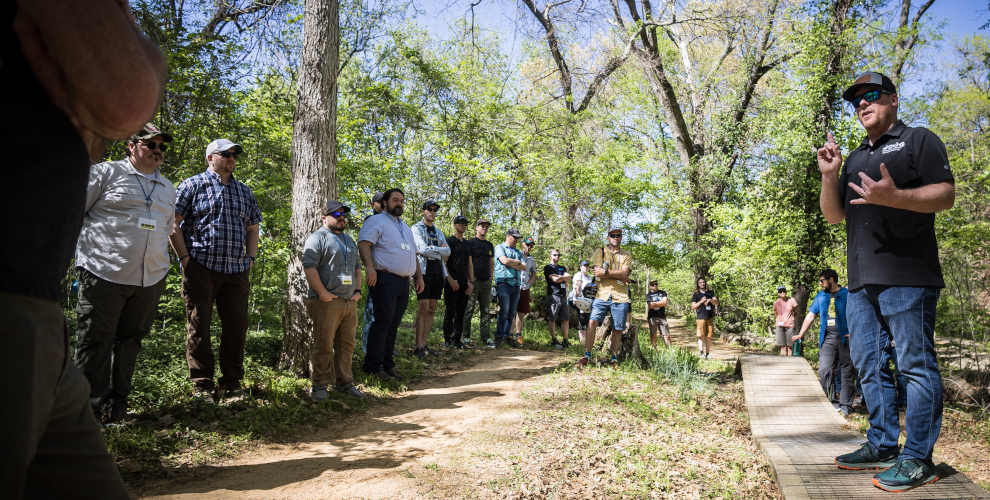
x=216, y=239
x=333, y=270
x=121, y=263
x=888, y=191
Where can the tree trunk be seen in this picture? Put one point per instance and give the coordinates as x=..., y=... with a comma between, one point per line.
x=628, y=349
x=314, y=165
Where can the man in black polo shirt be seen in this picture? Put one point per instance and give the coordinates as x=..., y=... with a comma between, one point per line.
x=460, y=284
x=888, y=192
x=483, y=260
x=656, y=301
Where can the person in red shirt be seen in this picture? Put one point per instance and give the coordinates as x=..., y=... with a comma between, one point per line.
x=783, y=313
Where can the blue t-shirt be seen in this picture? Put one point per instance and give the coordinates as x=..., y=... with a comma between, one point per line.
x=504, y=274
x=828, y=309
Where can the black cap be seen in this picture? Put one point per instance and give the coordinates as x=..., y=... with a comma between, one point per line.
x=377, y=198
x=653, y=282
x=483, y=221
x=335, y=206
x=866, y=80
x=430, y=203
x=513, y=232
x=148, y=131
x=459, y=219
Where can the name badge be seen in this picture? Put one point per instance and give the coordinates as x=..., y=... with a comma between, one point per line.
x=405, y=246
x=780, y=323
x=346, y=279
x=147, y=224
x=708, y=307
x=831, y=322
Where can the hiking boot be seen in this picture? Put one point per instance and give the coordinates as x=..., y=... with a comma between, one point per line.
x=865, y=458
x=519, y=341
x=566, y=344
x=905, y=475
x=349, y=390
x=490, y=344
x=459, y=345
x=556, y=345
x=383, y=376
x=234, y=395
x=419, y=352
x=844, y=411
x=613, y=364
x=394, y=374
x=319, y=393
x=583, y=362
x=448, y=343
x=429, y=351
x=203, y=395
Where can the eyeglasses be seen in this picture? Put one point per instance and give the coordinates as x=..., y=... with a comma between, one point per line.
x=154, y=145
x=555, y=255
x=615, y=235
x=227, y=154
x=431, y=209
x=338, y=215
x=869, y=97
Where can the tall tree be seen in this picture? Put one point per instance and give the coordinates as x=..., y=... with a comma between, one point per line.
x=314, y=165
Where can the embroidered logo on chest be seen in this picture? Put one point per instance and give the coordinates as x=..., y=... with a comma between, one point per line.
x=894, y=146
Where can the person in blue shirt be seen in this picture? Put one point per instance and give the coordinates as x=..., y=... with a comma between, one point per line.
x=508, y=264
x=833, y=339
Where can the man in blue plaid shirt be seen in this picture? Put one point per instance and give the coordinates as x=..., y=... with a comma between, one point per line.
x=216, y=239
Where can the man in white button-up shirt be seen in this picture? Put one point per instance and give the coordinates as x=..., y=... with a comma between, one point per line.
x=121, y=263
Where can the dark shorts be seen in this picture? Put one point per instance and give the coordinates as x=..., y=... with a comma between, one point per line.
x=557, y=308
x=433, y=287
x=523, y=306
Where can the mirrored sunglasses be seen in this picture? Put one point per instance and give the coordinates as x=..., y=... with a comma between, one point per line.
x=338, y=215
x=868, y=97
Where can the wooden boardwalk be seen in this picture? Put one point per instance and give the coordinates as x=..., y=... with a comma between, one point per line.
x=797, y=428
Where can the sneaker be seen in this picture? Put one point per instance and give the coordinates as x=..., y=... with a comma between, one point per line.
x=864, y=458
x=467, y=341
x=349, y=390
x=419, y=352
x=391, y=372
x=507, y=341
x=448, y=343
x=319, y=393
x=844, y=411
x=459, y=345
x=566, y=344
x=431, y=352
x=583, y=362
x=490, y=344
x=613, y=363
x=836, y=406
x=382, y=375
x=203, y=394
x=905, y=475
x=234, y=395
x=556, y=345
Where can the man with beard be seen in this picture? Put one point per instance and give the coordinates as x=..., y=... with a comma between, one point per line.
x=121, y=263
x=888, y=191
x=216, y=239
x=833, y=340
x=388, y=250
x=611, y=266
x=333, y=270
x=483, y=260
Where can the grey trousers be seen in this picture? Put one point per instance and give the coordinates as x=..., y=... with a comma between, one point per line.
x=51, y=444
x=835, y=351
x=113, y=319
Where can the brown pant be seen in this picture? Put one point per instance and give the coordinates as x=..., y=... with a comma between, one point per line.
x=334, y=334
x=201, y=287
x=706, y=328
x=51, y=444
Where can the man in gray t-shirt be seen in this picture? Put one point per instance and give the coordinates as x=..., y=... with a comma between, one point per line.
x=333, y=271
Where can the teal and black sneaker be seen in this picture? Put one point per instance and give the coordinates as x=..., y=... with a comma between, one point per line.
x=864, y=458
x=905, y=475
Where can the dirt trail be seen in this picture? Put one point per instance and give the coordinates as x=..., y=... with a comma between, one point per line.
x=368, y=455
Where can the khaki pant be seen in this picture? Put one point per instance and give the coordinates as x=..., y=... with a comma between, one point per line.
x=706, y=328
x=334, y=338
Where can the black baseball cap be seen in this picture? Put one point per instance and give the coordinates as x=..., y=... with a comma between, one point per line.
x=335, y=206
x=514, y=233
x=459, y=219
x=148, y=131
x=483, y=221
x=866, y=80
x=430, y=203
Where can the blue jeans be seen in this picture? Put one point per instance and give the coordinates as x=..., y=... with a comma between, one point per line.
x=369, y=316
x=876, y=314
x=508, y=299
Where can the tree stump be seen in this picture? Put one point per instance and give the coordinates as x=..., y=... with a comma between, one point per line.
x=628, y=348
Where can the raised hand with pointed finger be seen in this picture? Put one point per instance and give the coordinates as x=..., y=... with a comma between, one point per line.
x=830, y=157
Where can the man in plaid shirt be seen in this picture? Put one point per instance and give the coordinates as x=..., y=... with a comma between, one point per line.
x=216, y=239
